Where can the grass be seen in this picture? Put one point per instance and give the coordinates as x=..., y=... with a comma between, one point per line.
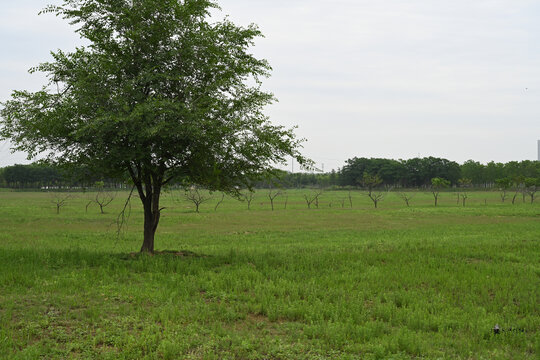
x=295, y=283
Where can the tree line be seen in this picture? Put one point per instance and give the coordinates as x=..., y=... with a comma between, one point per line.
x=44, y=176
x=412, y=173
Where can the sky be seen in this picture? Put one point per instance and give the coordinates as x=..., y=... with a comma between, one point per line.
x=367, y=78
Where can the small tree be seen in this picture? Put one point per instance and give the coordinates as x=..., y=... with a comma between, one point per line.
x=248, y=197
x=518, y=186
x=458, y=196
x=370, y=184
x=437, y=184
x=59, y=200
x=406, y=196
x=272, y=194
x=102, y=198
x=313, y=197
x=504, y=185
x=197, y=197
x=219, y=201
x=464, y=184
x=531, y=187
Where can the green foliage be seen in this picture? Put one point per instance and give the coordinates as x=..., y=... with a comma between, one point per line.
x=371, y=181
x=504, y=183
x=465, y=183
x=160, y=94
x=418, y=172
x=439, y=183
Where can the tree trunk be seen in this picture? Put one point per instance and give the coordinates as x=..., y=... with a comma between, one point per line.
x=151, y=221
x=151, y=217
x=149, y=233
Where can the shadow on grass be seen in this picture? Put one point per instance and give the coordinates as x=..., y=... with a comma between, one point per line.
x=178, y=253
x=18, y=262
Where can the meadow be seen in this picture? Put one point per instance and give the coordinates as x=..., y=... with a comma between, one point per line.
x=333, y=282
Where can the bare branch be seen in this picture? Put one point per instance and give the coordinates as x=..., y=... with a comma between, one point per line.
x=121, y=219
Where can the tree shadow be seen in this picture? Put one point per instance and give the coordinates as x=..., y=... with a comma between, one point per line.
x=43, y=261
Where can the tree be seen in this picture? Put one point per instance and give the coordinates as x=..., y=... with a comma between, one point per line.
x=102, y=198
x=531, y=187
x=503, y=185
x=248, y=196
x=160, y=94
x=518, y=187
x=272, y=194
x=473, y=170
x=406, y=196
x=197, y=197
x=312, y=197
x=371, y=183
x=464, y=184
x=437, y=184
x=220, y=201
x=59, y=200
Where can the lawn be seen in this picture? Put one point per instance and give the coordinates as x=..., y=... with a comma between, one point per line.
x=332, y=282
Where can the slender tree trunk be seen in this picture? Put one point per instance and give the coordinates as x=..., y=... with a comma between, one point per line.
x=151, y=215
x=149, y=233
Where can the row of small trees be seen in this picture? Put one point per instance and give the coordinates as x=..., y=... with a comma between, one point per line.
x=372, y=186
x=373, y=189
x=525, y=186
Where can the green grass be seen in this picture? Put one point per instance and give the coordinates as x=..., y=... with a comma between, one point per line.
x=326, y=283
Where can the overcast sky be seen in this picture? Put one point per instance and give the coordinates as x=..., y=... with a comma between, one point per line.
x=397, y=79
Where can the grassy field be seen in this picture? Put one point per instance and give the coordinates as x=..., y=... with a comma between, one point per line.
x=324, y=283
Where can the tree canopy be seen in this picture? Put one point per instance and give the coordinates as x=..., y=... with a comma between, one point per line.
x=160, y=93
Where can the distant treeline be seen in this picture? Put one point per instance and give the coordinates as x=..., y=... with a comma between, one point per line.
x=416, y=173
x=42, y=176
x=412, y=173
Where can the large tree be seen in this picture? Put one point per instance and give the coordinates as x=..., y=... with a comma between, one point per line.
x=160, y=93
